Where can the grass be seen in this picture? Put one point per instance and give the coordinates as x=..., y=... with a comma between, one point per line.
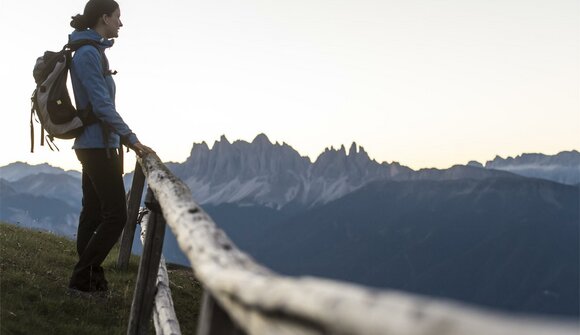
x=34, y=270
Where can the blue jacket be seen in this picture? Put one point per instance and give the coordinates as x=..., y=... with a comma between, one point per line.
x=90, y=85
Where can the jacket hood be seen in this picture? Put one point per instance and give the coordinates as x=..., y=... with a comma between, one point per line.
x=90, y=34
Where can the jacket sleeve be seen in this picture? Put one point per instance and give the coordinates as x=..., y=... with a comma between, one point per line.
x=88, y=67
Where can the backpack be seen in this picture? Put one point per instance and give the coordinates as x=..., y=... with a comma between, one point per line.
x=51, y=101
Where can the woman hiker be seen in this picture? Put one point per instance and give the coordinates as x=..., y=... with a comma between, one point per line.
x=104, y=212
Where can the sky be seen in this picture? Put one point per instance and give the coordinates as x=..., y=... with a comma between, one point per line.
x=426, y=83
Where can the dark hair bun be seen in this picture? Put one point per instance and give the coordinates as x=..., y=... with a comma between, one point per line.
x=79, y=22
x=94, y=9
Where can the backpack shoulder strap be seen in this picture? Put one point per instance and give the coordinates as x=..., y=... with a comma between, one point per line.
x=74, y=46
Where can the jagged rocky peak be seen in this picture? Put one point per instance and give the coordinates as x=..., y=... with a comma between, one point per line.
x=199, y=149
x=262, y=140
x=330, y=157
x=242, y=160
x=352, y=150
x=356, y=166
x=259, y=144
x=355, y=153
x=332, y=152
x=272, y=173
x=201, y=146
x=360, y=155
x=356, y=149
x=222, y=142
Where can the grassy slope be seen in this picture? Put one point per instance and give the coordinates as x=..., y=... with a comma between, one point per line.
x=34, y=271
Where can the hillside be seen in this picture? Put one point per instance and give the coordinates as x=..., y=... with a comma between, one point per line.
x=505, y=243
x=34, y=271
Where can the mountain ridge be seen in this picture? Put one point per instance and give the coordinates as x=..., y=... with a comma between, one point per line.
x=505, y=242
x=563, y=167
x=18, y=170
x=276, y=175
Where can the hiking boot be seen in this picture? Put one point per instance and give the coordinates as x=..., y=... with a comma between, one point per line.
x=89, y=281
x=98, y=281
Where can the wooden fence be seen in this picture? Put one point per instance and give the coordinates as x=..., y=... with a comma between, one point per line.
x=243, y=297
x=165, y=320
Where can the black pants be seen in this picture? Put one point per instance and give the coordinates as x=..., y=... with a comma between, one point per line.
x=102, y=217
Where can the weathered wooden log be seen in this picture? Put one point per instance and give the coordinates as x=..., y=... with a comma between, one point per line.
x=133, y=203
x=145, y=286
x=214, y=320
x=165, y=320
x=262, y=302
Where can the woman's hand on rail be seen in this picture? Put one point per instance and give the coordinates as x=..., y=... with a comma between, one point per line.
x=141, y=149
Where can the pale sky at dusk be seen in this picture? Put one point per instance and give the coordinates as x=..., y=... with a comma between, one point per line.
x=422, y=82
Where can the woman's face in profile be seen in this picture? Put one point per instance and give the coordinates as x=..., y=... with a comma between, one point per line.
x=113, y=23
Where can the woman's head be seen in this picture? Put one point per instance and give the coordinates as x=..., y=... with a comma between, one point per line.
x=101, y=15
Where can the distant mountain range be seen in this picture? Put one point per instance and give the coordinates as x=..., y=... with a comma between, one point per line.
x=562, y=168
x=509, y=243
x=275, y=175
x=18, y=170
x=489, y=234
x=40, y=196
x=41, y=211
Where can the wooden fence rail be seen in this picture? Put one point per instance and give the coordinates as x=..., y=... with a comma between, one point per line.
x=243, y=297
x=165, y=320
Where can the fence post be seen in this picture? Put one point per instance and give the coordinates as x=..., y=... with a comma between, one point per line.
x=213, y=320
x=146, y=285
x=133, y=205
